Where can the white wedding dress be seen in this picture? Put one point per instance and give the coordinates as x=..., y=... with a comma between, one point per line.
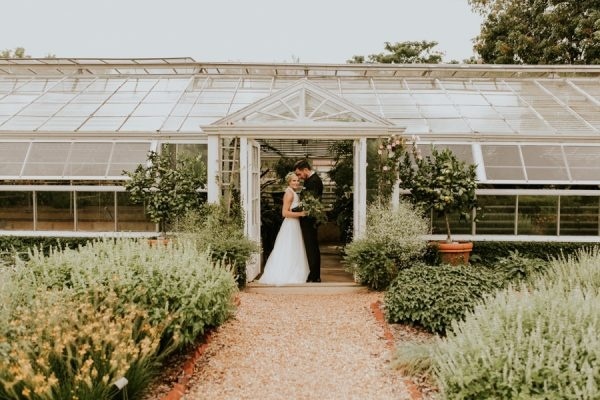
x=287, y=262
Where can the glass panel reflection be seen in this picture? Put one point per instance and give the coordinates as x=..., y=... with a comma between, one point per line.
x=497, y=215
x=458, y=226
x=537, y=215
x=96, y=211
x=16, y=211
x=579, y=215
x=55, y=211
x=132, y=217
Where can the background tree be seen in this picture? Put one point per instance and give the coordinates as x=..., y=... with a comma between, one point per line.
x=17, y=52
x=539, y=31
x=410, y=52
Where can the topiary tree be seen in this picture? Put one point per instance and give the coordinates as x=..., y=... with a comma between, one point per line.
x=166, y=186
x=441, y=183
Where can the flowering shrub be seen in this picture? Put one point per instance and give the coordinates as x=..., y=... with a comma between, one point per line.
x=390, y=151
x=114, y=307
x=393, y=240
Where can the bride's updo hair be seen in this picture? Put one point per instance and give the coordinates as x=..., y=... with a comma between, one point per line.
x=289, y=176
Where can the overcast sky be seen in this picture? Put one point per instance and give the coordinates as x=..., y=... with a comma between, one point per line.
x=320, y=31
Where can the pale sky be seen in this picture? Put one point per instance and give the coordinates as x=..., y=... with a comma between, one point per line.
x=314, y=31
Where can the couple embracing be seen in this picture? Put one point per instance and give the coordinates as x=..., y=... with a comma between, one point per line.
x=296, y=257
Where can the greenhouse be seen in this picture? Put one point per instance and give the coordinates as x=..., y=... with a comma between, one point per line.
x=70, y=127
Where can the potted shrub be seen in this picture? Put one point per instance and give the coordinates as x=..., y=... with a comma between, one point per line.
x=445, y=185
x=167, y=187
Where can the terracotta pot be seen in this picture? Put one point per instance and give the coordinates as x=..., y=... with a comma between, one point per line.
x=159, y=241
x=455, y=253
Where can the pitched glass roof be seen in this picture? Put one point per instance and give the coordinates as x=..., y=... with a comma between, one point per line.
x=523, y=123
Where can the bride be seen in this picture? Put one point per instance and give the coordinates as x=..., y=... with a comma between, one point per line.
x=287, y=262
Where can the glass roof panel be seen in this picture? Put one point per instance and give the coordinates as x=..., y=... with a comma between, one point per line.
x=148, y=124
x=449, y=125
x=467, y=99
x=41, y=109
x=430, y=98
x=73, y=85
x=161, y=97
x=23, y=123
x=544, y=162
x=138, y=85
x=412, y=126
x=12, y=156
x=78, y=109
x=402, y=98
x=483, y=112
x=58, y=124
x=439, y=111
x=92, y=97
x=37, y=85
x=583, y=162
x=18, y=98
x=490, y=126
x=51, y=97
x=127, y=156
x=105, y=85
x=102, y=124
x=172, y=124
x=10, y=109
x=126, y=97
x=115, y=110
x=46, y=159
x=502, y=162
x=153, y=109
x=193, y=124
x=503, y=99
x=203, y=110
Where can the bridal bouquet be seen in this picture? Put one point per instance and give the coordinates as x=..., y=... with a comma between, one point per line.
x=313, y=207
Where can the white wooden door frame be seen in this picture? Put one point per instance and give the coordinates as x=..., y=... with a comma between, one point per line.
x=360, y=187
x=250, y=194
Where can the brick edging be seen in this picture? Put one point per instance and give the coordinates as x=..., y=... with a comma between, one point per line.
x=178, y=390
x=413, y=391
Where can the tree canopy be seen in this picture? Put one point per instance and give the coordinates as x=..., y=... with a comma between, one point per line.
x=410, y=52
x=539, y=31
x=18, y=52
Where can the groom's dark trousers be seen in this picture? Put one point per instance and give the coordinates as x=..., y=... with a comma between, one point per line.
x=309, y=231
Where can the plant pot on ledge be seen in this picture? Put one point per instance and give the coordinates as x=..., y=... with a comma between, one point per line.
x=455, y=253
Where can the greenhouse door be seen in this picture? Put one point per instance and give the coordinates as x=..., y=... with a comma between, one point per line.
x=250, y=191
x=360, y=187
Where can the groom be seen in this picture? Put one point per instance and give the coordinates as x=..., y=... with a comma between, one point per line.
x=314, y=185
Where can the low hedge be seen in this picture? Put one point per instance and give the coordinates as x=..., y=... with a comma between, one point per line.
x=434, y=296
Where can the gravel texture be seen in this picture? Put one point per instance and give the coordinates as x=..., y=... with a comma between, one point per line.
x=281, y=346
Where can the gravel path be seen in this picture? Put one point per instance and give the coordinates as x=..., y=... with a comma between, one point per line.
x=298, y=347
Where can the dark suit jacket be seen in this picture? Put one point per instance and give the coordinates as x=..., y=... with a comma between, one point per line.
x=314, y=184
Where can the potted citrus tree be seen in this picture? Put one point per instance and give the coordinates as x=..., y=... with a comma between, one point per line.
x=168, y=187
x=445, y=185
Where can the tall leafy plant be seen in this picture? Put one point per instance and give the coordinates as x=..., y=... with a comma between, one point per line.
x=441, y=183
x=168, y=187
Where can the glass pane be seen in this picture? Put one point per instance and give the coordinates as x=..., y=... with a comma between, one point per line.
x=537, y=215
x=88, y=159
x=16, y=211
x=497, y=215
x=131, y=217
x=457, y=226
x=96, y=211
x=103, y=124
x=127, y=156
x=153, y=109
x=579, y=215
x=502, y=162
x=63, y=124
x=583, y=162
x=544, y=163
x=55, y=211
x=12, y=156
x=115, y=110
x=47, y=159
x=143, y=124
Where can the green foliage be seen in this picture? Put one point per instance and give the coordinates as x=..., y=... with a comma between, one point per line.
x=167, y=187
x=221, y=234
x=539, y=31
x=489, y=252
x=441, y=183
x=581, y=269
x=76, y=320
x=434, y=296
x=518, y=268
x=393, y=241
x=542, y=344
x=341, y=174
x=408, y=52
x=18, y=52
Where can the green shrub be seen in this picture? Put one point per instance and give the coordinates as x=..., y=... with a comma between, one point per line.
x=393, y=241
x=220, y=233
x=517, y=268
x=489, y=252
x=434, y=296
x=581, y=269
x=521, y=344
